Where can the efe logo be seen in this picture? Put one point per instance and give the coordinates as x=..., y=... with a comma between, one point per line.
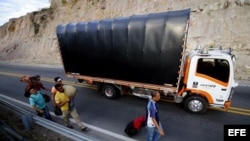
x=236, y=132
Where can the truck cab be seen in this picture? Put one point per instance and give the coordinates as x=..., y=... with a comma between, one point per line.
x=208, y=79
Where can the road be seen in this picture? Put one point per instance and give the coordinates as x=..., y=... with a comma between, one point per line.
x=110, y=117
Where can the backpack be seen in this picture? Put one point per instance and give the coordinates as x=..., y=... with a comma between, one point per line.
x=26, y=93
x=46, y=98
x=134, y=126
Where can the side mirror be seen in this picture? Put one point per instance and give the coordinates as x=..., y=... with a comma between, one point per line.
x=233, y=57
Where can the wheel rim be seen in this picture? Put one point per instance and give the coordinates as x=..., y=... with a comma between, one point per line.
x=109, y=92
x=195, y=105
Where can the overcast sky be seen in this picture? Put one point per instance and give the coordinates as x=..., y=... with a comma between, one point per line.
x=16, y=8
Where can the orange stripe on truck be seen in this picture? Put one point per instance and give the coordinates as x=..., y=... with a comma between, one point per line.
x=211, y=79
x=202, y=93
x=186, y=71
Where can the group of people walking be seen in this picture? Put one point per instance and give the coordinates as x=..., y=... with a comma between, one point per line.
x=62, y=97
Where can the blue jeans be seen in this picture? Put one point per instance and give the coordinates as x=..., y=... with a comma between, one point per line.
x=153, y=134
x=46, y=113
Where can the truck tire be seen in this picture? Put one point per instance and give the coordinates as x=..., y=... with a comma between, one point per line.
x=110, y=91
x=196, y=104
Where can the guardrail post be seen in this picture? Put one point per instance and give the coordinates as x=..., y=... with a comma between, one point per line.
x=27, y=120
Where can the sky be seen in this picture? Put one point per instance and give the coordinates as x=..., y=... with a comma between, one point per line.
x=17, y=8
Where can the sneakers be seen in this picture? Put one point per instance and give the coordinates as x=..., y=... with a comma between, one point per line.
x=84, y=129
x=70, y=126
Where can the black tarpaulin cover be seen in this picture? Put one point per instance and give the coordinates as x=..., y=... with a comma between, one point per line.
x=139, y=48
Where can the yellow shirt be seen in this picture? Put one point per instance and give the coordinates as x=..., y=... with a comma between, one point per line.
x=61, y=98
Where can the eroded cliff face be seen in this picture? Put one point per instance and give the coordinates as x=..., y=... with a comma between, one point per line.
x=32, y=38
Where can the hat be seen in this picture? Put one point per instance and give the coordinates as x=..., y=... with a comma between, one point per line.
x=57, y=79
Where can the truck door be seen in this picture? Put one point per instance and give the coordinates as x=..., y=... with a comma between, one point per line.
x=212, y=77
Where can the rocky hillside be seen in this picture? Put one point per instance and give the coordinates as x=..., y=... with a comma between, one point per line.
x=32, y=38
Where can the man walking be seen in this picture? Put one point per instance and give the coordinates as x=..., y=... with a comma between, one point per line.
x=38, y=103
x=33, y=81
x=154, y=127
x=66, y=103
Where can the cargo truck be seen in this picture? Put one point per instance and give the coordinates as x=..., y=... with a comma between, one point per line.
x=139, y=54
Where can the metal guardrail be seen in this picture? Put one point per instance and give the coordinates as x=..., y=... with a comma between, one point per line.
x=58, y=128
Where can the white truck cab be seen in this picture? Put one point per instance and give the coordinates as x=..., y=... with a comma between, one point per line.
x=208, y=79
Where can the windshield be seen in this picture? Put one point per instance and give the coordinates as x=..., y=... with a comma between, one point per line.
x=216, y=68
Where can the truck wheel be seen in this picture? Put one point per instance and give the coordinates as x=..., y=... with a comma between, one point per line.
x=196, y=104
x=110, y=92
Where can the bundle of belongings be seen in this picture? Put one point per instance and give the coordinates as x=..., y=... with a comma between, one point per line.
x=134, y=126
x=33, y=81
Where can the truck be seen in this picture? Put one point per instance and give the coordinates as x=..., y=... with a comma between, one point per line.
x=139, y=54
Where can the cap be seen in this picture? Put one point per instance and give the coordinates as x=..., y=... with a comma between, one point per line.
x=57, y=79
